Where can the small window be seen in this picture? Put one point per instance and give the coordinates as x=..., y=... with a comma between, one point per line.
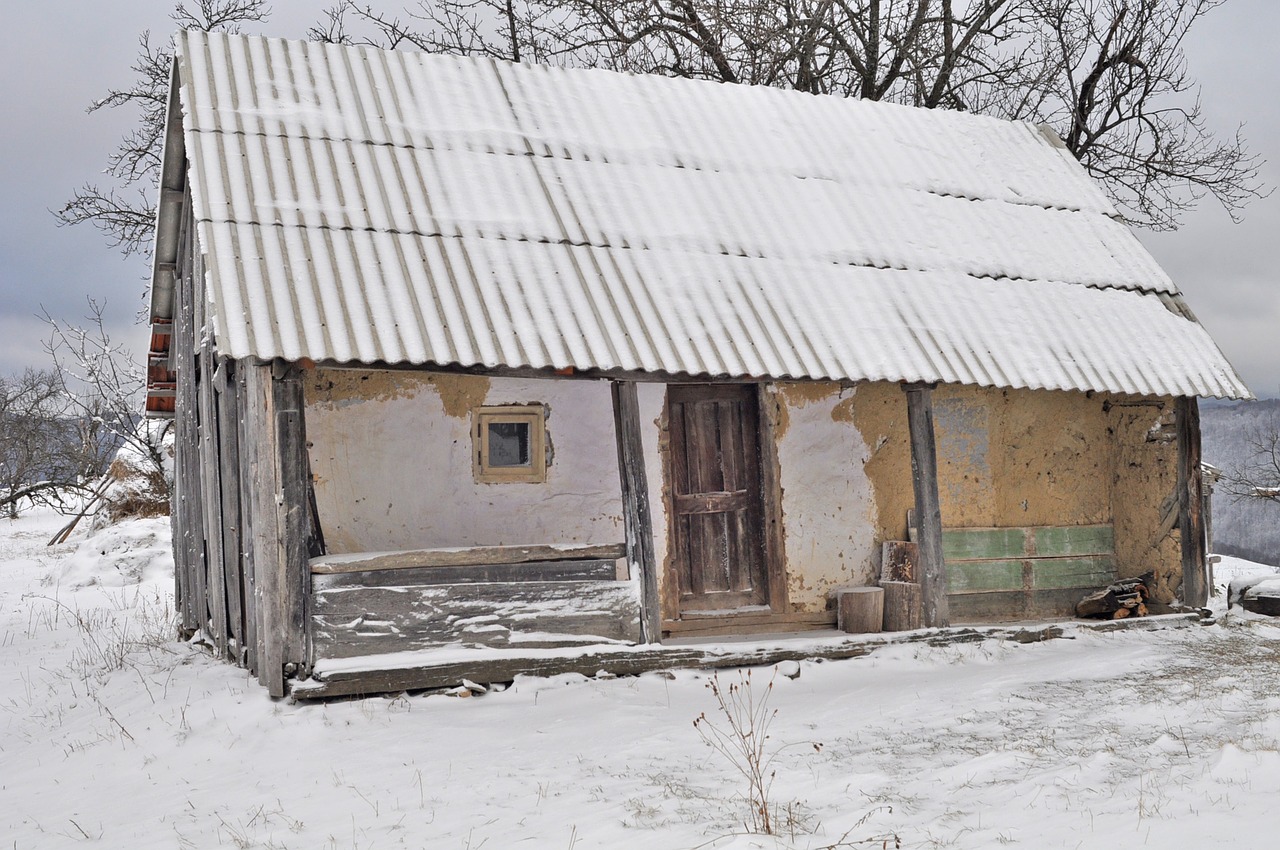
x=510, y=444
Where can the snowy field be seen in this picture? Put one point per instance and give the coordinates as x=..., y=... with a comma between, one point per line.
x=112, y=736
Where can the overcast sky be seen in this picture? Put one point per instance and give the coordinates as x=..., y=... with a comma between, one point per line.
x=57, y=56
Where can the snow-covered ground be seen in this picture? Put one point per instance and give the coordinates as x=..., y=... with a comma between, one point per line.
x=112, y=736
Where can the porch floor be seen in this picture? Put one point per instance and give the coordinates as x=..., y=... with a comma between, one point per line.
x=444, y=668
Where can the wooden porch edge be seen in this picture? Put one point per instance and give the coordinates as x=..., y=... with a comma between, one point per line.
x=631, y=661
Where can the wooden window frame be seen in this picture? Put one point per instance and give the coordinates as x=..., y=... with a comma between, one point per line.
x=535, y=416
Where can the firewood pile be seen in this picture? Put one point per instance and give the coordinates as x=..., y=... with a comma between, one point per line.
x=1124, y=598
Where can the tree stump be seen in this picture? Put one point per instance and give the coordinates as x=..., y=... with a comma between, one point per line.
x=860, y=610
x=901, y=605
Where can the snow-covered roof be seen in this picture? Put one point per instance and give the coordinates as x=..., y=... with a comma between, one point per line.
x=360, y=205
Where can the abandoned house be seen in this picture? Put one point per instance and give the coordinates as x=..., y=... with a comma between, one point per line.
x=473, y=357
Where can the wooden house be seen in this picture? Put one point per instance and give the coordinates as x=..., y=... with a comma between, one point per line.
x=473, y=357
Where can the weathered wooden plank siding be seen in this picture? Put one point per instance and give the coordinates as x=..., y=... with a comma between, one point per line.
x=263, y=477
x=229, y=476
x=211, y=492
x=355, y=621
x=188, y=479
x=998, y=574
x=248, y=476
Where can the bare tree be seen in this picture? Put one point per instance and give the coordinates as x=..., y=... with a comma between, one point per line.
x=1109, y=76
x=40, y=458
x=104, y=385
x=124, y=210
x=1259, y=476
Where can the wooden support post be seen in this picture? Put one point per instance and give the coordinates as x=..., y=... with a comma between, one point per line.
x=924, y=478
x=294, y=518
x=637, y=519
x=275, y=447
x=1191, y=503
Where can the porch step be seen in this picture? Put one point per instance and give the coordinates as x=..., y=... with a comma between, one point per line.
x=433, y=669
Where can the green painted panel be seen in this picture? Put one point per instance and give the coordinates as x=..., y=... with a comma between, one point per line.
x=1060, y=540
x=973, y=544
x=1089, y=572
x=972, y=576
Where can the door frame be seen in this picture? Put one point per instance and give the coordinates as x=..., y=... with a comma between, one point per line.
x=771, y=517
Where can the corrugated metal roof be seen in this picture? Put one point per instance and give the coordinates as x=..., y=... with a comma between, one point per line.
x=360, y=205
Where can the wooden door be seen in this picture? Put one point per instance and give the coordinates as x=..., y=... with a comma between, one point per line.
x=718, y=554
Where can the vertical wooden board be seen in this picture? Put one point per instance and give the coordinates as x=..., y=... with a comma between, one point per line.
x=1065, y=540
x=229, y=474
x=971, y=576
x=975, y=544
x=1088, y=572
x=211, y=480
x=246, y=478
x=637, y=521
x=194, y=471
x=180, y=510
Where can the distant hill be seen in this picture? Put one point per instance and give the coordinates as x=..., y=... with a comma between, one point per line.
x=1246, y=528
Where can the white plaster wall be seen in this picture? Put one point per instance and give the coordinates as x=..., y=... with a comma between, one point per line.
x=828, y=505
x=392, y=462
x=653, y=401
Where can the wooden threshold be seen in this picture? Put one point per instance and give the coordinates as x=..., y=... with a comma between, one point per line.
x=462, y=557
x=747, y=624
x=383, y=675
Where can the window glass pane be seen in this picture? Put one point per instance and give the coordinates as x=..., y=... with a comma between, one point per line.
x=509, y=444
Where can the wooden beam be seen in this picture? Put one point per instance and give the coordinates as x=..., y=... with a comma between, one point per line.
x=924, y=479
x=1191, y=503
x=463, y=557
x=637, y=519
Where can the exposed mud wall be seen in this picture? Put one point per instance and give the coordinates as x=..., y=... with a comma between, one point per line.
x=391, y=455
x=1144, y=476
x=1021, y=457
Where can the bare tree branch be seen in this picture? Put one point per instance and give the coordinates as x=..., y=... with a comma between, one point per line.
x=124, y=211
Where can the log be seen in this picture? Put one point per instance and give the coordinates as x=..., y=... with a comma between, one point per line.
x=898, y=561
x=901, y=605
x=860, y=610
